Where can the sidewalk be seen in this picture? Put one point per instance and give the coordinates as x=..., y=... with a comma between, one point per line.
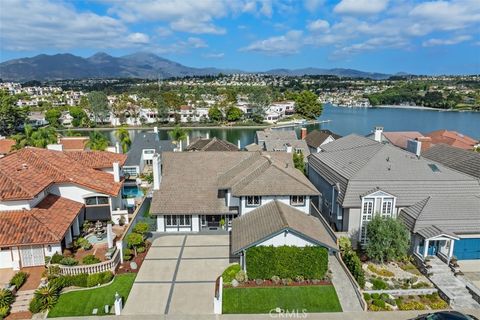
x=343, y=286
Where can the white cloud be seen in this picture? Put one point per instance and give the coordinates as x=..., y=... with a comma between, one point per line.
x=198, y=27
x=313, y=5
x=138, y=38
x=219, y=55
x=446, y=42
x=360, y=7
x=318, y=25
x=163, y=32
x=369, y=45
x=289, y=43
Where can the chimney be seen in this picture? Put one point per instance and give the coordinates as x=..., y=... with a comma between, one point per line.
x=116, y=172
x=188, y=139
x=118, y=149
x=378, y=134
x=289, y=148
x=157, y=174
x=155, y=129
x=208, y=135
x=414, y=146
x=426, y=142
x=303, y=133
x=238, y=145
x=56, y=147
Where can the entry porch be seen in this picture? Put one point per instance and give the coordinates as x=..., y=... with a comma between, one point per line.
x=434, y=243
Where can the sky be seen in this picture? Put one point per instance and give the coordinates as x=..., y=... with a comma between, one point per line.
x=389, y=36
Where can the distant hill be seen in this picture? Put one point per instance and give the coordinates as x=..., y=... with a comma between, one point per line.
x=138, y=65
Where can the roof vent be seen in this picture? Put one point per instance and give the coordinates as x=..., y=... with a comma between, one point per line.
x=24, y=166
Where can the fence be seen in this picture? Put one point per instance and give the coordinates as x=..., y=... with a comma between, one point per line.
x=109, y=265
x=217, y=299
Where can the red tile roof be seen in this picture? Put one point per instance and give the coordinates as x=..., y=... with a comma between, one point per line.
x=453, y=139
x=6, y=145
x=97, y=159
x=74, y=143
x=400, y=138
x=24, y=173
x=47, y=223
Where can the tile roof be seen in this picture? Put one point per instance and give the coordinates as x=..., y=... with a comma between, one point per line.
x=46, y=223
x=26, y=172
x=271, y=134
x=275, y=217
x=465, y=161
x=214, y=144
x=434, y=231
x=452, y=138
x=6, y=145
x=253, y=147
x=74, y=143
x=359, y=164
x=97, y=159
x=315, y=138
x=146, y=140
x=281, y=145
x=400, y=138
x=191, y=180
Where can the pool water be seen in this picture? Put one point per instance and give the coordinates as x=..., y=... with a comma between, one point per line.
x=132, y=192
x=93, y=239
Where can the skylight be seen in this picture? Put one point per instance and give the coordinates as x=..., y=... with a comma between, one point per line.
x=434, y=167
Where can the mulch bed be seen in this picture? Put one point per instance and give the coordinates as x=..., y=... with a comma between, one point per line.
x=270, y=283
x=125, y=266
x=19, y=315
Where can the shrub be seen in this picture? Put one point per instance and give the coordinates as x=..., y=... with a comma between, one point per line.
x=241, y=276
x=47, y=260
x=378, y=284
x=380, y=271
x=99, y=278
x=421, y=285
x=4, y=311
x=229, y=274
x=83, y=243
x=438, y=305
x=374, y=308
x=35, y=306
x=389, y=239
x=384, y=296
x=392, y=302
x=53, y=271
x=367, y=296
x=18, y=279
x=141, y=228
x=90, y=259
x=6, y=297
x=276, y=279
x=141, y=249
x=47, y=297
x=345, y=244
x=375, y=296
x=299, y=279
x=379, y=303
x=68, y=261
x=411, y=305
x=56, y=258
x=135, y=240
x=287, y=262
x=352, y=261
x=127, y=254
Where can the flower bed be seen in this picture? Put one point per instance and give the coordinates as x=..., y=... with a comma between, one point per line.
x=393, y=275
x=387, y=302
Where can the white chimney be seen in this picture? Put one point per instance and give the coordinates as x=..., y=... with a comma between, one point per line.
x=116, y=172
x=118, y=149
x=238, y=145
x=378, y=134
x=157, y=174
x=56, y=147
x=414, y=146
x=208, y=135
x=289, y=148
x=188, y=140
x=155, y=129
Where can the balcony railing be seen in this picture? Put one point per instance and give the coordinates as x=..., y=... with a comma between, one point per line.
x=109, y=265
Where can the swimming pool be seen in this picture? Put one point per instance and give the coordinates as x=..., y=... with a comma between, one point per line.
x=132, y=192
x=93, y=239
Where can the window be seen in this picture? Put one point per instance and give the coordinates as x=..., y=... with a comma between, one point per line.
x=148, y=151
x=253, y=201
x=204, y=221
x=387, y=205
x=94, y=201
x=367, y=213
x=178, y=220
x=130, y=170
x=297, y=200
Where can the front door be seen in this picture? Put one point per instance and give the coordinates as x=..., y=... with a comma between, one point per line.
x=32, y=256
x=432, y=248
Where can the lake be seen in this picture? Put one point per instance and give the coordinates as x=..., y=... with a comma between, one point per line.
x=344, y=121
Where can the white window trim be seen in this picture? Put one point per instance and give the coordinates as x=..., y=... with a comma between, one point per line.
x=253, y=201
x=384, y=198
x=298, y=203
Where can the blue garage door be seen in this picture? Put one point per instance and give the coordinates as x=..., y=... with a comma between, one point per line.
x=467, y=249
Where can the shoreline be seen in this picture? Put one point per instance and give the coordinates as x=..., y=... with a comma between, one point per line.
x=419, y=108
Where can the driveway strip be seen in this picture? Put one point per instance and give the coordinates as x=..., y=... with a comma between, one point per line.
x=167, y=307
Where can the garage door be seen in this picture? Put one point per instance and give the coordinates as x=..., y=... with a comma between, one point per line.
x=465, y=249
x=5, y=258
x=32, y=256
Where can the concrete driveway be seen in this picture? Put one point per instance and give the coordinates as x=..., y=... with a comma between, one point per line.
x=471, y=270
x=178, y=275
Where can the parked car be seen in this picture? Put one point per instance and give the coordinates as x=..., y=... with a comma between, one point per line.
x=445, y=315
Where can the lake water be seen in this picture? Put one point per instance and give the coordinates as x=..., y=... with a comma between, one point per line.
x=358, y=120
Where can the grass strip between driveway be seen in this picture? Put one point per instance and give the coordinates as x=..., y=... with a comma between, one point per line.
x=82, y=303
x=264, y=300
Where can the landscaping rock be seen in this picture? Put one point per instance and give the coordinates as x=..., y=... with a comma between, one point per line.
x=235, y=283
x=133, y=265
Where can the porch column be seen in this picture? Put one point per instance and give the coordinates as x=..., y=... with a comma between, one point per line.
x=76, y=227
x=450, y=250
x=68, y=238
x=425, y=249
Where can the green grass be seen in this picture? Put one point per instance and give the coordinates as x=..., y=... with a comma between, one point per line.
x=82, y=303
x=263, y=300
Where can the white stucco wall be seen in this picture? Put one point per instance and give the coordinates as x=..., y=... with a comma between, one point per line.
x=195, y=223
x=266, y=199
x=71, y=191
x=54, y=248
x=286, y=239
x=14, y=205
x=160, y=224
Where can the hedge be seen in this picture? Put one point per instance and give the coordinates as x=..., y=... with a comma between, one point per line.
x=264, y=262
x=352, y=262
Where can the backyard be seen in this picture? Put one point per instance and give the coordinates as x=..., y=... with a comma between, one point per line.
x=83, y=302
x=263, y=300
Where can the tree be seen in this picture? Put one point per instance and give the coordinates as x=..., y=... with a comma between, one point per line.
x=162, y=108
x=307, y=105
x=98, y=105
x=53, y=117
x=260, y=101
x=299, y=162
x=215, y=114
x=141, y=228
x=178, y=134
x=78, y=115
x=388, y=239
x=135, y=240
x=123, y=137
x=11, y=116
x=97, y=141
x=39, y=138
x=234, y=114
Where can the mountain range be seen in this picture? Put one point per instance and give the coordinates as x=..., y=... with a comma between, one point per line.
x=138, y=65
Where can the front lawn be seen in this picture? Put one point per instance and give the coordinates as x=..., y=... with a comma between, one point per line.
x=82, y=303
x=263, y=300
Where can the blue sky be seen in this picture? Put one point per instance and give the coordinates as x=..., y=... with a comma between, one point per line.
x=422, y=37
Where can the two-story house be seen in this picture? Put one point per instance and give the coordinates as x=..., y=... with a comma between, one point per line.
x=359, y=178
x=46, y=195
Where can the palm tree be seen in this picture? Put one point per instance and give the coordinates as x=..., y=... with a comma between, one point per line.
x=123, y=137
x=97, y=141
x=178, y=134
x=35, y=137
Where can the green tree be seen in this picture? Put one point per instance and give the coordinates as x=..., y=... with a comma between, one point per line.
x=78, y=115
x=39, y=138
x=215, y=114
x=298, y=161
x=141, y=228
x=98, y=102
x=123, y=137
x=234, y=114
x=307, y=105
x=53, y=117
x=388, y=239
x=134, y=240
x=11, y=116
x=178, y=134
x=97, y=141
x=260, y=100
x=162, y=108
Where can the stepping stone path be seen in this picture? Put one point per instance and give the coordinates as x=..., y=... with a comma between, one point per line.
x=22, y=301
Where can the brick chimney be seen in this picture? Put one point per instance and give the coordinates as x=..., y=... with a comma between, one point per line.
x=426, y=142
x=303, y=133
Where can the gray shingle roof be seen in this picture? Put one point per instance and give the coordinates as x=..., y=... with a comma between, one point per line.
x=273, y=218
x=271, y=134
x=315, y=138
x=191, y=180
x=359, y=164
x=461, y=160
x=214, y=144
x=434, y=231
x=146, y=140
x=280, y=145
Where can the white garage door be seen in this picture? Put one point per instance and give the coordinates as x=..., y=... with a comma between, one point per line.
x=32, y=256
x=5, y=258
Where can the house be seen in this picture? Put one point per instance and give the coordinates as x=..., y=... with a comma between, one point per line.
x=397, y=138
x=198, y=190
x=359, y=178
x=140, y=155
x=453, y=138
x=6, y=146
x=281, y=140
x=66, y=119
x=316, y=138
x=74, y=143
x=46, y=195
x=214, y=144
x=458, y=159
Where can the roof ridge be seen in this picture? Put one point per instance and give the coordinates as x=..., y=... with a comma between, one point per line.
x=243, y=182
x=422, y=204
x=374, y=154
x=32, y=214
x=13, y=181
x=282, y=213
x=292, y=176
